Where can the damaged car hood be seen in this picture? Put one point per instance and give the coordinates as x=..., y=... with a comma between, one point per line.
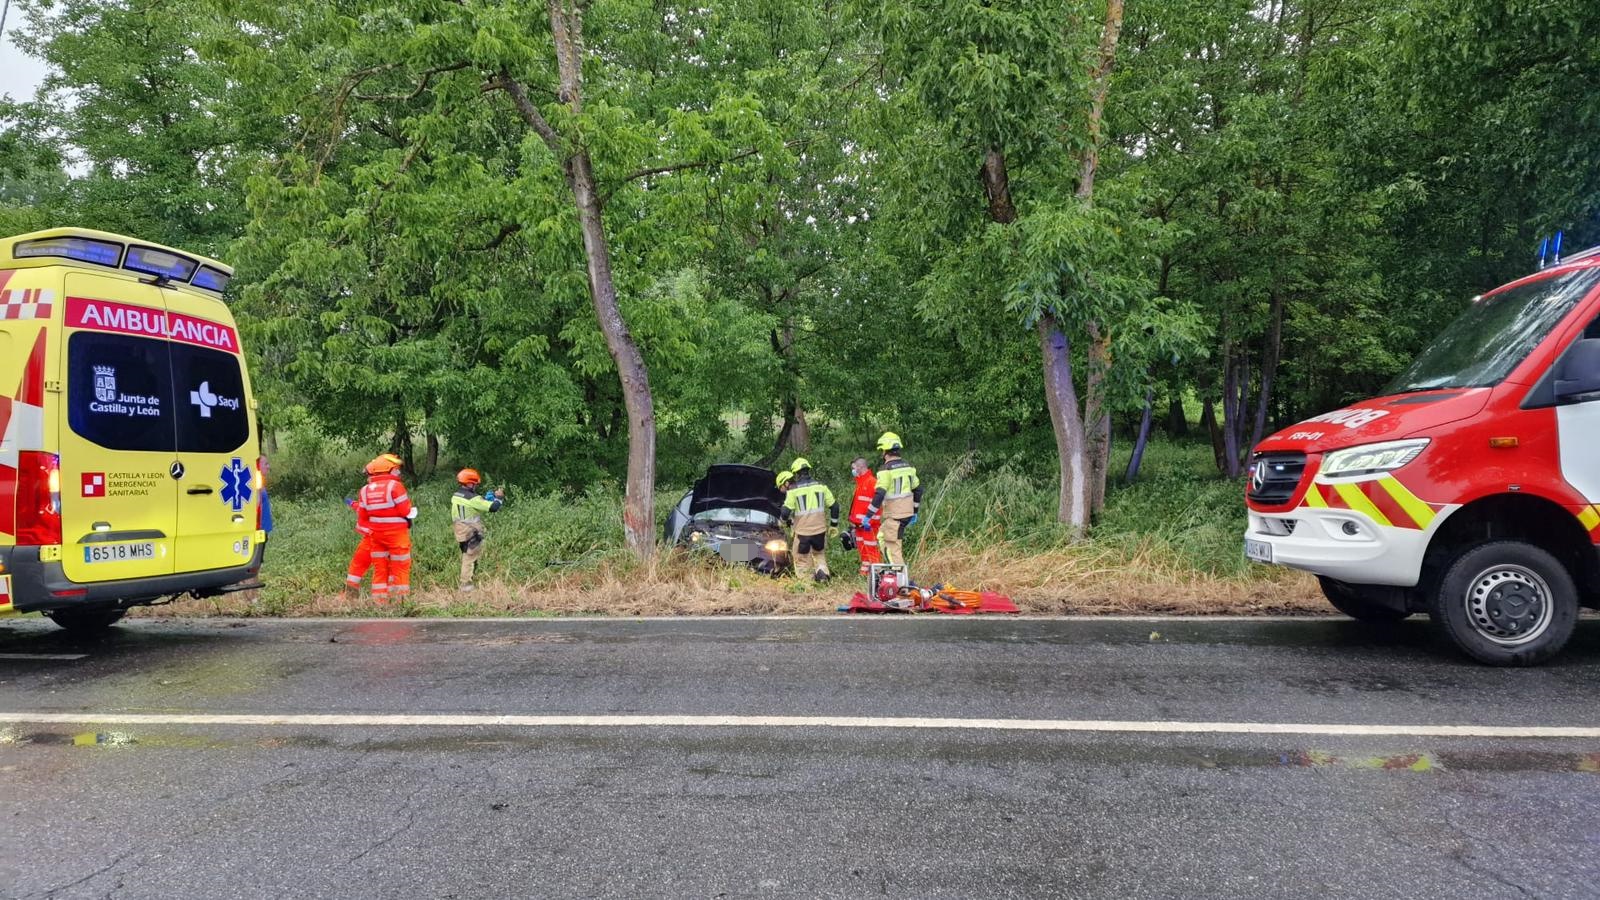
x=735, y=486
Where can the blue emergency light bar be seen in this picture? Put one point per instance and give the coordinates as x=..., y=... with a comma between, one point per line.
x=211, y=279
x=160, y=263
x=163, y=264
x=89, y=250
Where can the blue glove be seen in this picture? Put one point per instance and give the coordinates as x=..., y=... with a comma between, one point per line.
x=350, y=502
x=909, y=522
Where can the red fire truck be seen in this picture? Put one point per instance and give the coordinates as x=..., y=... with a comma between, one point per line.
x=1469, y=490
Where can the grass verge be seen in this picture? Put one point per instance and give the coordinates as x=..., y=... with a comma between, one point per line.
x=1169, y=544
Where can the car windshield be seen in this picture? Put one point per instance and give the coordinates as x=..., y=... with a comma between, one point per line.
x=1486, y=342
x=732, y=514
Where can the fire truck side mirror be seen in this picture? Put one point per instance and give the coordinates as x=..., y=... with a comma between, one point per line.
x=1578, y=371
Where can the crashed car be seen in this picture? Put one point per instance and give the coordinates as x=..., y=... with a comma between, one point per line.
x=733, y=512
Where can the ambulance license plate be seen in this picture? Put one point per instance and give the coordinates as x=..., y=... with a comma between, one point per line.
x=99, y=553
x=1257, y=551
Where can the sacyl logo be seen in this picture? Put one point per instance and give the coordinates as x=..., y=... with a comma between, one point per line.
x=207, y=401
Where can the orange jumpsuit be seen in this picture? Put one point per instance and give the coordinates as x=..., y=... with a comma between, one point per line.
x=866, y=538
x=362, y=560
x=387, y=511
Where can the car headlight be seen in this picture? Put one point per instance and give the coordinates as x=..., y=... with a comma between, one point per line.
x=1370, y=458
x=776, y=546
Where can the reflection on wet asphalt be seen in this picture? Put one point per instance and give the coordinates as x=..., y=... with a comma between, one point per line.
x=180, y=810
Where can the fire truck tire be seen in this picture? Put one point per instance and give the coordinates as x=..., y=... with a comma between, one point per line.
x=1357, y=602
x=1506, y=603
x=86, y=622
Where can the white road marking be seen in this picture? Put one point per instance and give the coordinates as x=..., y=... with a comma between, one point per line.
x=473, y=720
x=61, y=656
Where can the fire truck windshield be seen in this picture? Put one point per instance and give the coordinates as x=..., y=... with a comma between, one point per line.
x=1486, y=342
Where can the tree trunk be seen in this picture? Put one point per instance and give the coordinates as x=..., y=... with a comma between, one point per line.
x=1177, y=419
x=800, y=435
x=432, y=462
x=400, y=444
x=1062, y=398
x=1208, y=424
x=566, y=28
x=638, y=513
x=1137, y=456
x=1269, y=369
x=784, y=433
x=1235, y=399
x=1097, y=417
x=1100, y=84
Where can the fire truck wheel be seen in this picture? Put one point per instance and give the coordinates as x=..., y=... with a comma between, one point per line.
x=1358, y=602
x=86, y=622
x=1507, y=603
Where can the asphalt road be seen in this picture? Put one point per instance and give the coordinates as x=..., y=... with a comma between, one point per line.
x=439, y=800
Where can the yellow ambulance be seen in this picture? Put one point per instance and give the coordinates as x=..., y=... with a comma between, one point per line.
x=129, y=464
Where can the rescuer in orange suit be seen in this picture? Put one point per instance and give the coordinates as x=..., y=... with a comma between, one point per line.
x=865, y=536
x=384, y=508
x=361, y=562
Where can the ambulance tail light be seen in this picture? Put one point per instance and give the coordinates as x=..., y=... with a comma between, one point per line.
x=38, y=499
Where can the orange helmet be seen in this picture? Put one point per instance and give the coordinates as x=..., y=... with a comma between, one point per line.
x=384, y=464
x=468, y=476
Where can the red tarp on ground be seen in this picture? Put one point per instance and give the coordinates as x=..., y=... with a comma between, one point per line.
x=988, y=602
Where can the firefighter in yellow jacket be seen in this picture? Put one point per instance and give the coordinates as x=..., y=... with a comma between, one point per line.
x=898, y=497
x=812, y=509
x=466, y=518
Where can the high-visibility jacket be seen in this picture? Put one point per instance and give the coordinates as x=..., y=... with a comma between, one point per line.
x=466, y=506
x=813, y=507
x=866, y=485
x=384, y=503
x=899, y=490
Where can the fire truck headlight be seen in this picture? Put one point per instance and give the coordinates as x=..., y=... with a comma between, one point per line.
x=1370, y=458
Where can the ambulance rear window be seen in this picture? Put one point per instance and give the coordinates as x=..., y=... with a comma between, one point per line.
x=119, y=391
x=210, y=401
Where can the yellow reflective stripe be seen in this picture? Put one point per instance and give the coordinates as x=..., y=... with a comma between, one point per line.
x=1420, y=512
x=1358, y=501
x=1314, y=497
x=1589, y=518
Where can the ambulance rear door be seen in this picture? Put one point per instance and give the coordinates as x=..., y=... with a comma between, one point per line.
x=119, y=514
x=219, y=491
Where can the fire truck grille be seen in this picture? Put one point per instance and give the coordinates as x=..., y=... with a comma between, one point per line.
x=1274, y=476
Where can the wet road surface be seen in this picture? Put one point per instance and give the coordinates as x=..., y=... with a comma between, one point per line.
x=418, y=808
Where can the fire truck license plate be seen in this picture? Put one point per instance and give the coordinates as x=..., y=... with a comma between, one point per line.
x=98, y=553
x=1259, y=551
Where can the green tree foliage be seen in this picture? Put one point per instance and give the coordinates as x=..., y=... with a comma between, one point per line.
x=1011, y=225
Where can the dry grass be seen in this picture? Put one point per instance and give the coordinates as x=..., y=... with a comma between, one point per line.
x=1144, y=578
